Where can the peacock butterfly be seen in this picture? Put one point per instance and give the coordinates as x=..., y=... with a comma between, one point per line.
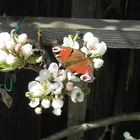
x=74, y=61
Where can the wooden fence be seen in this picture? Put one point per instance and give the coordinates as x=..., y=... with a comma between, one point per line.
x=115, y=91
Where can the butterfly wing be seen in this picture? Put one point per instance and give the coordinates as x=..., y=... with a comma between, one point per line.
x=75, y=61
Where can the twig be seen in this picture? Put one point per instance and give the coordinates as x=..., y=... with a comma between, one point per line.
x=87, y=126
x=33, y=68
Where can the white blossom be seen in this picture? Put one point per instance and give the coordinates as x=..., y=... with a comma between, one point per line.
x=77, y=95
x=27, y=50
x=2, y=44
x=11, y=59
x=57, y=111
x=53, y=68
x=45, y=103
x=72, y=77
x=85, y=50
x=35, y=88
x=44, y=74
x=98, y=63
x=38, y=110
x=62, y=75
x=3, y=56
x=127, y=135
x=5, y=36
x=91, y=43
x=34, y=102
x=68, y=42
x=99, y=49
x=57, y=103
x=10, y=45
x=22, y=38
x=88, y=36
x=59, y=88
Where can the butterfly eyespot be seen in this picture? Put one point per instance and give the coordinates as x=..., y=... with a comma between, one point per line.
x=56, y=49
x=86, y=77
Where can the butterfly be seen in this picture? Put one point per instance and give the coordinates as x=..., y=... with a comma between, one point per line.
x=74, y=61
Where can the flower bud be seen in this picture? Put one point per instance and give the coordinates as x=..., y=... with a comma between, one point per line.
x=45, y=103
x=2, y=44
x=57, y=111
x=3, y=56
x=10, y=45
x=27, y=50
x=22, y=38
x=38, y=110
x=69, y=86
x=88, y=36
x=57, y=103
x=34, y=102
x=98, y=63
x=4, y=36
x=11, y=59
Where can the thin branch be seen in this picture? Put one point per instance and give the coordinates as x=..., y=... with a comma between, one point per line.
x=33, y=68
x=88, y=126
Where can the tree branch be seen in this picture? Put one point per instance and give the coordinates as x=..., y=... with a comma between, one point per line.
x=87, y=126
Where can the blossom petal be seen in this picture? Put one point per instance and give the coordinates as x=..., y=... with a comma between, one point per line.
x=77, y=95
x=53, y=68
x=45, y=103
x=57, y=103
x=34, y=102
x=57, y=111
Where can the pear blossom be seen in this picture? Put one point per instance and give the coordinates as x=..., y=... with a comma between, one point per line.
x=27, y=50
x=34, y=102
x=53, y=68
x=99, y=49
x=91, y=43
x=5, y=36
x=2, y=45
x=88, y=37
x=127, y=135
x=77, y=95
x=11, y=59
x=35, y=88
x=57, y=111
x=44, y=74
x=57, y=103
x=10, y=45
x=68, y=42
x=59, y=88
x=3, y=56
x=85, y=50
x=62, y=74
x=22, y=38
x=72, y=77
x=38, y=110
x=45, y=103
x=98, y=63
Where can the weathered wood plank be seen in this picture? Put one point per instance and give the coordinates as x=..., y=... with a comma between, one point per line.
x=116, y=33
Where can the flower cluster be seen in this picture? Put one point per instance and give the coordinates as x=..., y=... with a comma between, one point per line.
x=52, y=84
x=49, y=88
x=15, y=51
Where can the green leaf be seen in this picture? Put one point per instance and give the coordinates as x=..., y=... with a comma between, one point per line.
x=34, y=59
